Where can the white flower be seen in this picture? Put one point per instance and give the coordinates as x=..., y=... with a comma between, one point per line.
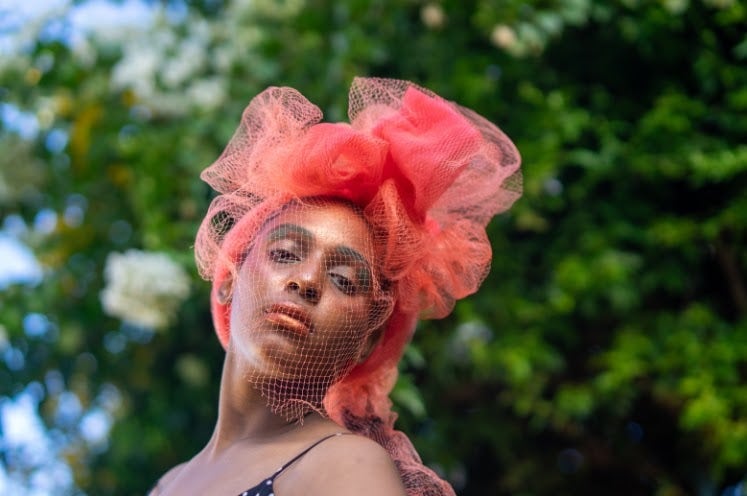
x=143, y=288
x=207, y=93
x=433, y=16
x=188, y=60
x=136, y=70
x=84, y=52
x=503, y=36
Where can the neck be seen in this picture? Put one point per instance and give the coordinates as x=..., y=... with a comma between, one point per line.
x=243, y=413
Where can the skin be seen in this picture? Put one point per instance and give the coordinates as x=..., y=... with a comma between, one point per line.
x=250, y=441
x=306, y=283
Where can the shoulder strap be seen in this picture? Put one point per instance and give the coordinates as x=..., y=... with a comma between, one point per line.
x=298, y=456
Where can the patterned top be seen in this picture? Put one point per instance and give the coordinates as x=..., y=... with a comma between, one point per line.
x=265, y=488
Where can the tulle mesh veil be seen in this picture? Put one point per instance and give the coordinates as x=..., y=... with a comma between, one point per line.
x=411, y=182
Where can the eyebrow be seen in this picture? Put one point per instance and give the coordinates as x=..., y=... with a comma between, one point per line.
x=346, y=251
x=284, y=230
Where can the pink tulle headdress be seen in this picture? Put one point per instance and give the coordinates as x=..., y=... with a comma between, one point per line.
x=427, y=175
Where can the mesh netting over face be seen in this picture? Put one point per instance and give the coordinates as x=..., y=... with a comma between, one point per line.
x=335, y=238
x=306, y=303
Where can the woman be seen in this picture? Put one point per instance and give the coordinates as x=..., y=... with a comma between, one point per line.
x=326, y=244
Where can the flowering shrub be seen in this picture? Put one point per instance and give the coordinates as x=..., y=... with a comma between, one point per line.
x=143, y=288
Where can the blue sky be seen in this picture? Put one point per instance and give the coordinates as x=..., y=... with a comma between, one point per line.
x=17, y=263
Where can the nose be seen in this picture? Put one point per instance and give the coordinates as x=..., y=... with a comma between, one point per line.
x=307, y=285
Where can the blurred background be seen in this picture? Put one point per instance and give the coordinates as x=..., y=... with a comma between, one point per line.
x=605, y=354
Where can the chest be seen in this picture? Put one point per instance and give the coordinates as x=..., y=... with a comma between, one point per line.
x=231, y=476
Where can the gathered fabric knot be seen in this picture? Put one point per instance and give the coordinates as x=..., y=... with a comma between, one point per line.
x=427, y=172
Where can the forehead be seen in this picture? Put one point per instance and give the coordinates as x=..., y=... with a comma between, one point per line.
x=330, y=223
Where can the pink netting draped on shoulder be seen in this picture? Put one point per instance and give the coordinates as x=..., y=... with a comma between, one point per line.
x=425, y=174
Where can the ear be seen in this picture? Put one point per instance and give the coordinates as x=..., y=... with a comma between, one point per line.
x=225, y=291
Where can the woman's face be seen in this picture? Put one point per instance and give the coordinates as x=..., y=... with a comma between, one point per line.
x=303, y=302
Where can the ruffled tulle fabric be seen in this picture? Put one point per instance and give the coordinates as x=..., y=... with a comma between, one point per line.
x=428, y=175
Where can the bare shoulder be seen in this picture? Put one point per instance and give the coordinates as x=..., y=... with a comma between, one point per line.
x=165, y=480
x=344, y=465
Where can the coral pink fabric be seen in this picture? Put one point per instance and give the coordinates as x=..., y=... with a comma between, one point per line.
x=428, y=175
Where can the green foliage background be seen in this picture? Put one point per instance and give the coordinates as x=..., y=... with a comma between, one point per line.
x=606, y=352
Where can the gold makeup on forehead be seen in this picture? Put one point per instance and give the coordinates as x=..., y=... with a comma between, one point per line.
x=340, y=252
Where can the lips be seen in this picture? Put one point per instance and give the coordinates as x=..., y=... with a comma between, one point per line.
x=291, y=317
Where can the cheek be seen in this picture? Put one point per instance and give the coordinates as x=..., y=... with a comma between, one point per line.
x=346, y=327
x=255, y=280
x=249, y=294
x=349, y=315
